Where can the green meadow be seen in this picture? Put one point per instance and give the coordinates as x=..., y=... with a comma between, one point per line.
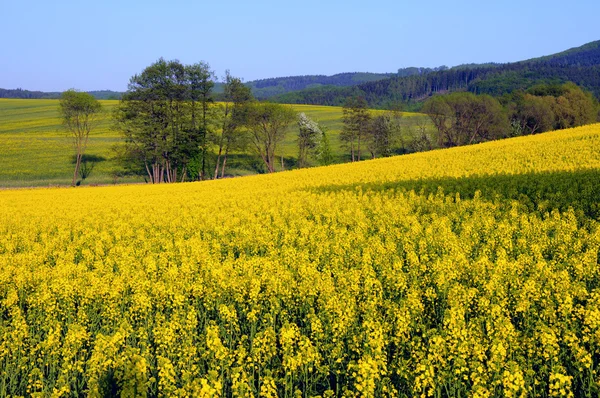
x=36, y=150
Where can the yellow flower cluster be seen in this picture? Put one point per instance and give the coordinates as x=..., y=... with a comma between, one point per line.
x=472, y=271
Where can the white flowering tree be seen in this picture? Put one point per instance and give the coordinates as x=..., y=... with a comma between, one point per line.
x=309, y=139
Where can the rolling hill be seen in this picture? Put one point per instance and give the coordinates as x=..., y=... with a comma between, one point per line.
x=262, y=88
x=410, y=86
x=580, y=65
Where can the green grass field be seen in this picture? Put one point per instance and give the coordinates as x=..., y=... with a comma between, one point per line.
x=35, y=150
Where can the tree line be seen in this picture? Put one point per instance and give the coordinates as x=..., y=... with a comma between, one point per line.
x=19, y=93
x=175, y=131
x=465, y=118
x=170, y=122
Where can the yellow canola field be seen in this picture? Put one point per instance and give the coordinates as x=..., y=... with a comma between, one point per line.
x=472, y=271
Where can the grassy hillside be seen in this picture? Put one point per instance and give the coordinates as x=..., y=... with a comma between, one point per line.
x=472, y=271
x=35, y=149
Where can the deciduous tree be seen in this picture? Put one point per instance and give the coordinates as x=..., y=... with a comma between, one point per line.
x=233, y=111
x=356, y=120
x=267, y=124
x=534, y=114
x=200, y=80
x=80, y=113
x=466, y=118
x=383, y=133
x=309, y=138
x=324, y=153
x=574, y=108
x=164, y=118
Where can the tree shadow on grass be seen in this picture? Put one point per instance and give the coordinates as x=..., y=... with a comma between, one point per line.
x=538, y=192
x=88, y=163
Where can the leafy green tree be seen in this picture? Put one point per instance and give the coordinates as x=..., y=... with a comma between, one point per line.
x=534, y=114
x=267, y=124
x=356, y=118
x=324, y=153
x=442, y=116
x=164, y=118
x=383, y=133
x=309, y=138
x=233, y=111
x=550, y=106
x=79, y=113
x=466, y=118
x=574, y=107
x=420, y=137
x=200, y=80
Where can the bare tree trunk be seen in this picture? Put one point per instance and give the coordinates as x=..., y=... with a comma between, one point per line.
x=352, y=150
x=150, y=176
x=224, y=163
x=77, y=165
x=270, y=163
x=282, y=166
x=168, y=172
x=204, y=132
x=158, y=173
x=218, y=161
x=300, y=158
x=171, y=173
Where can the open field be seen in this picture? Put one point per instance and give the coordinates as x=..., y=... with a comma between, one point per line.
x=472, y=271
x=35, y=149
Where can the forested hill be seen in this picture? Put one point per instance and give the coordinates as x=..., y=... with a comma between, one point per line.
x=586, y=55
x=266, y=88
x=261, y=89
x=580, y=65
x=26, y=94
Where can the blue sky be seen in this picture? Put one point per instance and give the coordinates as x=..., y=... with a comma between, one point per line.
x=56, y=45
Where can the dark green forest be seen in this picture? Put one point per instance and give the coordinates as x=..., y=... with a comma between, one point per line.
x=266, y=88
x=26, y=94
x=580, y=66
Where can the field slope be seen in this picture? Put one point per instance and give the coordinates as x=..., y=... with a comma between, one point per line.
x=35, y=149
x=472, y=271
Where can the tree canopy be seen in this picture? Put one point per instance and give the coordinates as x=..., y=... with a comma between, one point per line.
x=163, y=117
x=267, y=123
x=79, y=113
